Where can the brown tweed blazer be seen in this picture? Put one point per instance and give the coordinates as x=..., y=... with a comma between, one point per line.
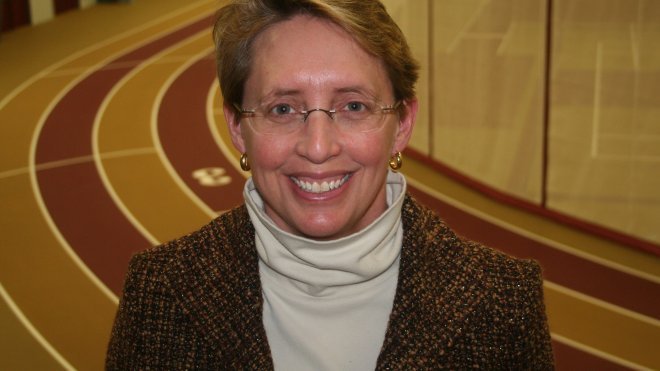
x=196, y=303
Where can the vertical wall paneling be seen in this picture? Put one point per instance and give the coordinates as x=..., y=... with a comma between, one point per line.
x=14, y=13
x=604, y=137
x=412, y=17
x=488, y=79
x=64, y=5
x=41, y=10
x=86, y=3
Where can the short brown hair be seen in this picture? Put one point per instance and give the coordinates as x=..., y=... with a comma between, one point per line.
x=240, y=22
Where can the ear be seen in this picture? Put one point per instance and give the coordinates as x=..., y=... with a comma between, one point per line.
x=406, y=124
x=233, y=124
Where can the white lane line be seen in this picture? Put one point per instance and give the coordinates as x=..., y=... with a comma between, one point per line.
x=156, y=59
x=156, y=139
x=647, y=320
x=39, y=126
x=117, y=65
x=598, y=353
x=213, y=126
x=33, y=330
x=99, y=45
x=531, y=235
x=78, y=160
x=36, y=191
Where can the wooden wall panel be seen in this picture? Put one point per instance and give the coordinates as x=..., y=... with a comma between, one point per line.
x=14, y=13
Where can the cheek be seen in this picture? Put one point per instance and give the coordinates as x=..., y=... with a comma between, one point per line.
x=373, y=149
x=267, y=153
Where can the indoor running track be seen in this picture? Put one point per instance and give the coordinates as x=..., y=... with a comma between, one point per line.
x=124, y=148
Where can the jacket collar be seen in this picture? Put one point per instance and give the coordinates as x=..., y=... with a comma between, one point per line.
x=219, y=288
x=429, y=308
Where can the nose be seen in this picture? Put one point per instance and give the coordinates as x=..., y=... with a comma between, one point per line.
x=330, y=113
x=320, y=139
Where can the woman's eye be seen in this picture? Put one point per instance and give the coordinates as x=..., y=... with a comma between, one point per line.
x=355, y=106
x=281, y=109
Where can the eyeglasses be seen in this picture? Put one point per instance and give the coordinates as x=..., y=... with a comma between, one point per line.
x=350, y=117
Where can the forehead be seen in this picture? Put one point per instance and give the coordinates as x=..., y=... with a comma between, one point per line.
x=307, y=54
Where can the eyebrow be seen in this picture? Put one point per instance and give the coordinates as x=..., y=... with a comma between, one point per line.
x=355, y=89
x=282, y=93
x=293, y=92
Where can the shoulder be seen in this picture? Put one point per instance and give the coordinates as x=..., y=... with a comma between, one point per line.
x=474, y=295
x=168, y=297
x=435, y=243
x=221, y=248
x=447, y=263
x=494, y=286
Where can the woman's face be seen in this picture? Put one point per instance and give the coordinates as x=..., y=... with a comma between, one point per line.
x=313, y=62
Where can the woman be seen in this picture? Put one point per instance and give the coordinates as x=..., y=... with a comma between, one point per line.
x=329, y=265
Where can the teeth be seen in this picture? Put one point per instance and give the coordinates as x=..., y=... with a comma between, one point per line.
x=315, y=187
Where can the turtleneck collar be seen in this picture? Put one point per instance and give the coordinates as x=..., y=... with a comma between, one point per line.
x=319, y=268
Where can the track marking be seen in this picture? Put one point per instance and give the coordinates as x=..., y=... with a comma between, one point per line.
x=33, y=330
x=213, y=126
x=40, y=201
x=33, y=145
x=650, y=321
x=99, y=45
x=596, y=352
x=77, y=161
x=157, y=143
x=531, y=235
x=116, y=65
x=98, y=156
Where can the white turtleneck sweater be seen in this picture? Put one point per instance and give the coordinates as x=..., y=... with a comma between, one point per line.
x=327, y=303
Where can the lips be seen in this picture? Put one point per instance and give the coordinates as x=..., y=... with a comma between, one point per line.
x=320, y=187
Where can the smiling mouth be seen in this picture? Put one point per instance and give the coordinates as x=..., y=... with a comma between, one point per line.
x=316, y=187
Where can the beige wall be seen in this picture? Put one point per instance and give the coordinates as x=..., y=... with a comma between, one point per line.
x=482, y=93
x=605, y=123
x=44, y=10
x=41, y=10
x=413, y=18
x=481, y=87
x=86, y=3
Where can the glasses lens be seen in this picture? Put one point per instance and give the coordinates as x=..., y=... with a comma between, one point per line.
x=353, y=117
x=278, y=126
x=362, y=116
x=276, y=119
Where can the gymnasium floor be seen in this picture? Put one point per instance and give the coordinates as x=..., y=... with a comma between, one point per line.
x=112, y=140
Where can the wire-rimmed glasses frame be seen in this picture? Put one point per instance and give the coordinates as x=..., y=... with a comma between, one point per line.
x=267, y=120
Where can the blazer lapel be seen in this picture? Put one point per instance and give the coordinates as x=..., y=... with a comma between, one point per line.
x=429, y=308
x=219, y=287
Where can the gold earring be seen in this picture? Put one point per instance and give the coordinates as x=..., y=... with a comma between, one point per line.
x=245, y=165
x=396, y=161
